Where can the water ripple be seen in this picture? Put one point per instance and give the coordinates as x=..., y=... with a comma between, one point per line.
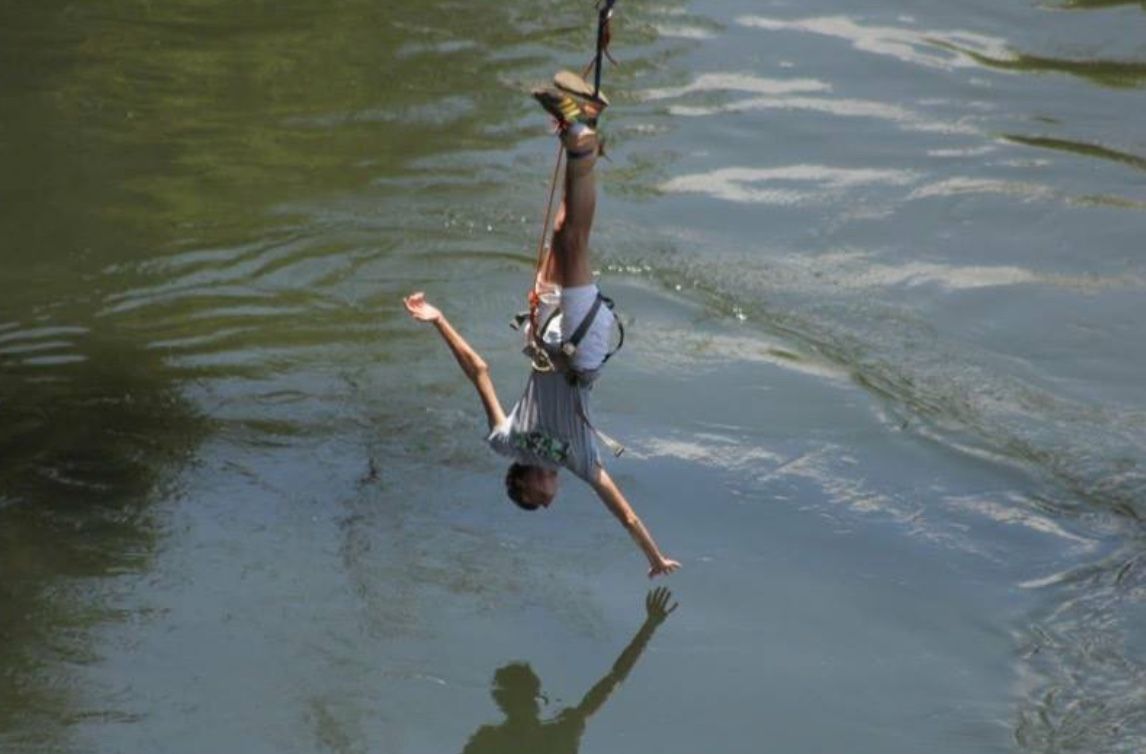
x=930, y=48
x=957, y=185
x=43, y=346
x=904, y=117
x=758, y=185
x=680, y=31
x=737, y=82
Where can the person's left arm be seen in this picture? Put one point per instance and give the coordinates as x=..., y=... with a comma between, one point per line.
x=615, y=501
x=657, y=609
x=468, y=359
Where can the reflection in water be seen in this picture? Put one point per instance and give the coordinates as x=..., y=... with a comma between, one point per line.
x=1079, y=147
x=517, y=689
x=86, y=446
x=1088, y=4
x=1115, y=73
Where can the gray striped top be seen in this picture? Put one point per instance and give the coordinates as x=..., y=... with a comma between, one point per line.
x=549, y=427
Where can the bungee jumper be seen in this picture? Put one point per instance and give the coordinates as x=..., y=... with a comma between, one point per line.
x=568, y=329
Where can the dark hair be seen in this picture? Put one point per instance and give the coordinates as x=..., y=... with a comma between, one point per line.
x=518, y=675
x=515, y=486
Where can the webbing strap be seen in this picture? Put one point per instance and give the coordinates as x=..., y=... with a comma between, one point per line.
x=620, y=328
x=579, y=334
x=569, y=347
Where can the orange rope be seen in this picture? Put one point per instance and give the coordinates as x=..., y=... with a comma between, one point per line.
x=542, y=245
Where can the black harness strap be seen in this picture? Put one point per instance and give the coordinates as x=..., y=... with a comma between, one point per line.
x=620, y=328
x=569, y=347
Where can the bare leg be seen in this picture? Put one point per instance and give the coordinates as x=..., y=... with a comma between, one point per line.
x=570, y=254
x=549, y=275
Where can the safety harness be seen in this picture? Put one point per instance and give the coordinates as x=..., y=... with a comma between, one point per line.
x=548, y=357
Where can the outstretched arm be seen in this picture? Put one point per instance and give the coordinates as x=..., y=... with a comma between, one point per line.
x=657, y=608
x=468, y=359
x=611, y=496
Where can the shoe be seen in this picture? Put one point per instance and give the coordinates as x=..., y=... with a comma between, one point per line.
x=564, y=108
x=571, y=83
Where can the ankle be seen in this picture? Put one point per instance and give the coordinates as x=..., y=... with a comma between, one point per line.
x=580, y=141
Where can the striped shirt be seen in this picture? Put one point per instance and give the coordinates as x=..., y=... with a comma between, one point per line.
x=549, y=427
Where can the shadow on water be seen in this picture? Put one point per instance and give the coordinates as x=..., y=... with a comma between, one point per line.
x=517, y=691
x=86, y=448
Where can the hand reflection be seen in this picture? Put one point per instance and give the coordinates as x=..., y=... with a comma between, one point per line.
x=656, y=604
x=516, y=690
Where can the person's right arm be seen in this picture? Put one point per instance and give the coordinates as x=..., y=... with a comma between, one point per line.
x=468, y=359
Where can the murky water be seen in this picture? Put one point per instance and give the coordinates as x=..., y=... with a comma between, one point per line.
x=883, y=268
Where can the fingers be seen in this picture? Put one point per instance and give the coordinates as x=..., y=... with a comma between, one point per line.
x=658, y=598
x=665, y=567
x=657, y=603
x=416, y=305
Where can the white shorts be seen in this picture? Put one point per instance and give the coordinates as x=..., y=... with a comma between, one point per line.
x=575, y=305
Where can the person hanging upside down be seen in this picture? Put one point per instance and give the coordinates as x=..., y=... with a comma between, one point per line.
x=567, y=338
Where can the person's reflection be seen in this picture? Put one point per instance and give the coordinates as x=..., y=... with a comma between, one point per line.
x=516, y=690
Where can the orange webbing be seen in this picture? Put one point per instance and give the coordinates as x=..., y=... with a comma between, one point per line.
x=542, y=244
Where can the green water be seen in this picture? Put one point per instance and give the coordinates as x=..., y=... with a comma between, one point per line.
x=882, y=267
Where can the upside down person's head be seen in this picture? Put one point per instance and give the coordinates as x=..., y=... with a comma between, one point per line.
x=530, y=487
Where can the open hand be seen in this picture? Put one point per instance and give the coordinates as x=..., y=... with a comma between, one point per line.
x=657, y=604
x=665, y=566
x=420, y=309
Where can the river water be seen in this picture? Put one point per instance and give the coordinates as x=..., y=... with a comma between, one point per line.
x=883, y=269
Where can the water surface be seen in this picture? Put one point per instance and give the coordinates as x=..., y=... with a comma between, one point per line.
x=882, y=265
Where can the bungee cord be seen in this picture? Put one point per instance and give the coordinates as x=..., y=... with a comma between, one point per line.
x=604, y=38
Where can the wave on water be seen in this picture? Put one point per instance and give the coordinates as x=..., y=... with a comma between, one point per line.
x=1081, y=673
x=835, y=305
x=929, y=48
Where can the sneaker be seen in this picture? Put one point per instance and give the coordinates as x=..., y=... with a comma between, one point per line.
x=564, y=108
x=571, y=83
